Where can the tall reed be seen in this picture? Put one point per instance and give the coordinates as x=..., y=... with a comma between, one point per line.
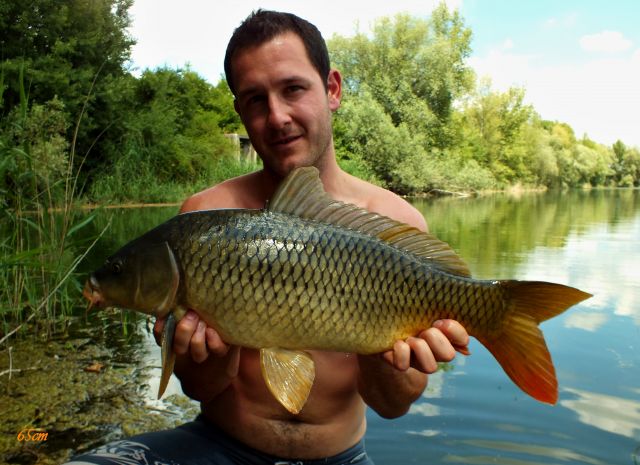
x=40, y=240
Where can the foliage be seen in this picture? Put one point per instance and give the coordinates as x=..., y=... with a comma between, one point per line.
x=625, y=165
x=364, y=132
x=74, y=50
x=174, y=139
x=413, y=68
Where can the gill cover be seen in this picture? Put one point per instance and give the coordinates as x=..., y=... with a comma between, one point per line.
x=158, y=279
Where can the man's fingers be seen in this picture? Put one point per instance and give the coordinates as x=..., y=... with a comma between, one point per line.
x=433, y=345
x=215, y=343
x=455, y=333
x=440, y=346
x=193, y=336
x=198, y=347
x=422, y=356
x=185, y=329
x=401, y=355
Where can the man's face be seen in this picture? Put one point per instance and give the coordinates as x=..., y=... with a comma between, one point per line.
x=284, y=105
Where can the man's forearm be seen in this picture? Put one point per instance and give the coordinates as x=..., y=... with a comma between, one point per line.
x=197, y=380
x=388, y=391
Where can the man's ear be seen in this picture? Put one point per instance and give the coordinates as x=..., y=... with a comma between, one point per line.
x=235, y=105
x=334, y=89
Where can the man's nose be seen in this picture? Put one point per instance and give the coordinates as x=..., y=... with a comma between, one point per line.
x=279, y=115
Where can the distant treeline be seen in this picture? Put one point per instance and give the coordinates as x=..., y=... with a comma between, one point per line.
x=414, y=117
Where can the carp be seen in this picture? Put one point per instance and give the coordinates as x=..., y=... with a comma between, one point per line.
x=309, y=272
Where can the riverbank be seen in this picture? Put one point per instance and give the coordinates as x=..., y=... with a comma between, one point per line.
x=85, y=385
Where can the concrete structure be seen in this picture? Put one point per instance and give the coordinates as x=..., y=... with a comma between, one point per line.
x=244, y=149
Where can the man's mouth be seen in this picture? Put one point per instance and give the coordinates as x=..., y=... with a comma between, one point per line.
x=284, y=140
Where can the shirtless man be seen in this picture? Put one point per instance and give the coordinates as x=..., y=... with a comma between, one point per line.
x=278, y=69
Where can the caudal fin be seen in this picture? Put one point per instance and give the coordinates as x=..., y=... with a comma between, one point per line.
x=520, y=348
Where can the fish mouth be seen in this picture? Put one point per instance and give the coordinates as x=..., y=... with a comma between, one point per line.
x=92, y=293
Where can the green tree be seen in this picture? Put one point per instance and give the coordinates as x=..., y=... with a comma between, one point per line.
x=74, y=50
x=632, y=165
x=619, y=152
x=413, y=68
x=495, y=128
x=175, y=136
x=366, y=136
x=222, y=106
x=626, y=165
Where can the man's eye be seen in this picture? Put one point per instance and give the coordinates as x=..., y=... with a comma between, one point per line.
x=255, y=99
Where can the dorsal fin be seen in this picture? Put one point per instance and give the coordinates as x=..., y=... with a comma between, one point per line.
x=301, y=194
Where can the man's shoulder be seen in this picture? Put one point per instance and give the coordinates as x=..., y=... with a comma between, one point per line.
x=385, y=202
x=232, y=193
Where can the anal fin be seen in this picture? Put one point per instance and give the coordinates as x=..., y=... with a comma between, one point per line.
x=289, y=375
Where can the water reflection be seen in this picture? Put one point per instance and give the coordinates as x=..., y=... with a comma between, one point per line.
x=602, y=261
x=588, y=321
x=542, y=454
x=608, y=413
x=497, y=234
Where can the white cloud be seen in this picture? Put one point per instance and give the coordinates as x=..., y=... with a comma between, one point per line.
x=605, y=41
x=586, y=321
x=597, y=97
x=508, y=44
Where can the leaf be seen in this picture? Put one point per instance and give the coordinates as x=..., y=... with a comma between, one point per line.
x=82, y=224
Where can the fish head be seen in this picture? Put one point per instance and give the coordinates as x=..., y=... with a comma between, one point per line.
x=142, y=277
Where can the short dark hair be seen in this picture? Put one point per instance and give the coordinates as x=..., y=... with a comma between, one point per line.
x=263, y=25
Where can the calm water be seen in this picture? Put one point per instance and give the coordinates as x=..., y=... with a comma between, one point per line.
x=472, y=413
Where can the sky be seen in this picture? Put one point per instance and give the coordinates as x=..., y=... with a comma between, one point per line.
x=578, y=60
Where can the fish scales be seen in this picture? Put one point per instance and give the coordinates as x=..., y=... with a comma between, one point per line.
x=268, y=279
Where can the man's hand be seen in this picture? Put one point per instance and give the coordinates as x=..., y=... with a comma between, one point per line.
x=195, y=339
x=436, y=344
x=386, y=382
x=194, y=336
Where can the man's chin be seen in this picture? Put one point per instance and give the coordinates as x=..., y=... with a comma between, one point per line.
x=283, y=166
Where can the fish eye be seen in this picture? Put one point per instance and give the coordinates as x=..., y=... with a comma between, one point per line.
x=116, y=267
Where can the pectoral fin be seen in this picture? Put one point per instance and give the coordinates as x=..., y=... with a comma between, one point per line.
x=168, y=355
x=289, y=375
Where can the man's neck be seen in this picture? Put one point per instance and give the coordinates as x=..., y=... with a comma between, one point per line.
x=331, y=175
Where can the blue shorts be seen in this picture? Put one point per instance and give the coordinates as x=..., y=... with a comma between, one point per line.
x=199, y=443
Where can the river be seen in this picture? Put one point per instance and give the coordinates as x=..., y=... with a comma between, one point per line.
x=471, y=413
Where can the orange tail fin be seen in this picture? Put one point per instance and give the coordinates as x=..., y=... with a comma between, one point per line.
x=520, y=347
